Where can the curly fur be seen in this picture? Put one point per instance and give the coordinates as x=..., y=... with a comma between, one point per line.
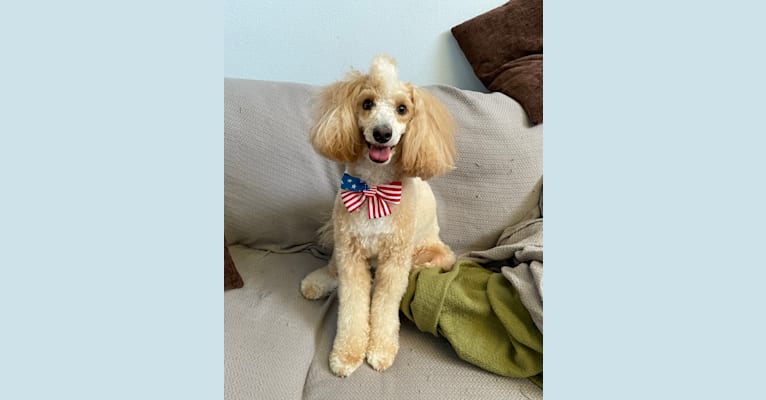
x=420, y=146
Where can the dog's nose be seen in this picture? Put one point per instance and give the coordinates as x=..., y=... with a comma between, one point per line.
x=382, y=133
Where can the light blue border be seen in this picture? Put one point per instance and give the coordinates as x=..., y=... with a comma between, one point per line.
x=654, y=200
x=111, y=164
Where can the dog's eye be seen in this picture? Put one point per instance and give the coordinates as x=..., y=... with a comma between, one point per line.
x=367, y=104
x=402, y=109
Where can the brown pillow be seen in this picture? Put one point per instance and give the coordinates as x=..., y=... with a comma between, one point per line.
x=498, y=43
x=522, y=79
x=231, y=277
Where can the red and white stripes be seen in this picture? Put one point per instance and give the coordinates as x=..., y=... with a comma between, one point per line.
x=377, y=198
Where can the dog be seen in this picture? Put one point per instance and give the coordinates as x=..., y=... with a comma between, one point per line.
x=391, y=136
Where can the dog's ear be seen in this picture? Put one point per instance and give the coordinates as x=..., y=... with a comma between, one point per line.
x=428, y=146
x=335, y=133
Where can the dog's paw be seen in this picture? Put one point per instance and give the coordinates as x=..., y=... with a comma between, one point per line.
x=435, y=255
x=443, y=267
x=381, y=355
x=343, y=363
x=311, y=291
x=318, y=284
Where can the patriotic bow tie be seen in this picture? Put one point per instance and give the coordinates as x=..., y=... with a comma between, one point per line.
x=356, y=192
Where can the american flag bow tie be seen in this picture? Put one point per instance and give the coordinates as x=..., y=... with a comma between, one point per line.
x=355, y=192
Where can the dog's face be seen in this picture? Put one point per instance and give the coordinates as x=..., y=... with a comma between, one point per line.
x=383, y=110
x=381, y=119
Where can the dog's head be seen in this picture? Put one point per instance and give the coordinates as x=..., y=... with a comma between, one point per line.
x=378, y=117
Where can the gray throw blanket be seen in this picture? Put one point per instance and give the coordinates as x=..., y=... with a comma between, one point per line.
x=519, y=254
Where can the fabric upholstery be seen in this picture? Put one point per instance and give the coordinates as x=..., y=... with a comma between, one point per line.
x=277, y=346
x=270, y=330
x=498, y=174
x=278, y=191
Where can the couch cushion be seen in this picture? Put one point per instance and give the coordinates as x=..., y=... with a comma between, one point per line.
x=270, y=330
x=426, y=367
x=498, y=174
x=277, y=345
x=278, y=190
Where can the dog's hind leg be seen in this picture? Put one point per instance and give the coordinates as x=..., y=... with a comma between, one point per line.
x=321, y=282
x=433, y=254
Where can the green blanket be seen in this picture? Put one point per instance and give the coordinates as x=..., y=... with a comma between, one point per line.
x=481, y=315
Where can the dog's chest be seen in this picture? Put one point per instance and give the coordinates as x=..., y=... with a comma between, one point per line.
x=369, y=232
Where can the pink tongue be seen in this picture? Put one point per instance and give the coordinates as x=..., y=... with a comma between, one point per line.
x=379, y=153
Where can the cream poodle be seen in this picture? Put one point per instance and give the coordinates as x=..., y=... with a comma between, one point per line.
x=391, y=136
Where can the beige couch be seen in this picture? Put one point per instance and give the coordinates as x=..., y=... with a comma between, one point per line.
x=278, y=192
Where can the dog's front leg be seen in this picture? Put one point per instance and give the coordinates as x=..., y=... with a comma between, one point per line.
x=353, y=312
x=391, y=278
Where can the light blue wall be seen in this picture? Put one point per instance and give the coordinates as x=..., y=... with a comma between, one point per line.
x=317, y=42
